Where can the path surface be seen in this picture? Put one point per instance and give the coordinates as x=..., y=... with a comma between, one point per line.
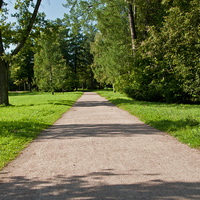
x=97, y=151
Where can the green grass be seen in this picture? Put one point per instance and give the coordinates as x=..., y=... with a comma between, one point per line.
x=26, y=117
x=180, y=120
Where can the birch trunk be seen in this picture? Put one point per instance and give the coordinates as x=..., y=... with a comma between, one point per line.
x=132, y=24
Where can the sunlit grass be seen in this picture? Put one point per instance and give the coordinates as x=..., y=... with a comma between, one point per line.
x=28, y=114
x=180, y=120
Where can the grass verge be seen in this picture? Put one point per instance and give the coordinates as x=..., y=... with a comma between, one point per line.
x=26, y=117
x=179, y=120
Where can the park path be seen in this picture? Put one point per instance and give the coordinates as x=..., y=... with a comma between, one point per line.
x=98, y=151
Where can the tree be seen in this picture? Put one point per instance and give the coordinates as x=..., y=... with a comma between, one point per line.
x=88, y=10
x=165, y=66
x=6, y=34
x=121, y=24
x=49, y=65
x=168, y=61
x=112, y=48
x=79, y=56
x=22, y=67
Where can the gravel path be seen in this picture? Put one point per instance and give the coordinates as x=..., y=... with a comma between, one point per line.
x=98, y=151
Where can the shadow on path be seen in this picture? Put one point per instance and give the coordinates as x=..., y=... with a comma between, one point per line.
x=97, y=130
x=93, y=104
x=76, y=187
x=95, y=185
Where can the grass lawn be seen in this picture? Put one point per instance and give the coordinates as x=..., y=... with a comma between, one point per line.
x=180, y=120
x=26, y=117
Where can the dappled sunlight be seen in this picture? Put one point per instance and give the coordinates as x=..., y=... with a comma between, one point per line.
x=94, y=186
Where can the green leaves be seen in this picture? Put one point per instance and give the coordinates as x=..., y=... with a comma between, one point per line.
x=170, y=56
x=50, y=67
x=110, y=49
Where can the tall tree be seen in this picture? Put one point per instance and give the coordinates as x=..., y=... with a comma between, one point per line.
x=26, y=23
x=112, y=46
x=49, y=66
x=80, y=36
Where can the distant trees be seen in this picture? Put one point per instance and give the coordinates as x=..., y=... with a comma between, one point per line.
x=148, y=49
x=58, y=59
x=63, y=60
x=164, y=36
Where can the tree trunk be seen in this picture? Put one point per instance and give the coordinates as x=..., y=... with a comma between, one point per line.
x=24, y=86
x=3, y=72
x=132, y=24
x=113, y=88
x=75, y=60
x=92, y=79
x=75, y=64
x=3, y=82
x=51, y=82
x=135, y=14
x=29, y=84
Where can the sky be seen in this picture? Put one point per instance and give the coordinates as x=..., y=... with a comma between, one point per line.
x=53, y=9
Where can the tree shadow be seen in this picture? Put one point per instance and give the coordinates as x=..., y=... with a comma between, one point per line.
x=93, y=104
x=173, y=125
x=23, y=93
x=49, y=102
x=94, y=187
x=21, y=128
x=61, y=102
x=97, y=130
x=163, y=125
x=120, y=101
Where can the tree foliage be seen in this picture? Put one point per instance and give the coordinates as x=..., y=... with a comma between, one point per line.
x=22, y=67
x=165, y=66
x=64, y=41
x=148, y=49
x=171, y=56
x=49, y=66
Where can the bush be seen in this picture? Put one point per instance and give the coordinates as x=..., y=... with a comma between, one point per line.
x=151, y=92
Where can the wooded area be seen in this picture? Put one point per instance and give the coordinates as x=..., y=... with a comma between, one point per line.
x=148, y=49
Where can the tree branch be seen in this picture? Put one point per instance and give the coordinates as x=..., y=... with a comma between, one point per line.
x=28, y=30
